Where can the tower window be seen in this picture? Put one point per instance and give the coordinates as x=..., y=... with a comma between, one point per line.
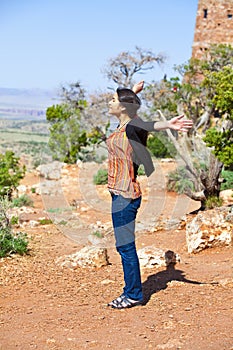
x=205, y=13
x=229, y=15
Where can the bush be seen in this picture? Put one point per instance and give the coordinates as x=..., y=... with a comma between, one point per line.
x=213, y=202
x=161, y=147
x=14, y=220
x=178, y=181
x=228, y=177
x=141, y=170
x=10, y=173
x=10, y=242
x=46, y=222
x=22, y=201
x=97, y=234
x=101, y=178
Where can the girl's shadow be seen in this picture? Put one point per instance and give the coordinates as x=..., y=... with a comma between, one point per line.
x=159, y=281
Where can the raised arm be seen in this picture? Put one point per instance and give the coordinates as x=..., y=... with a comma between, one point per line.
x=138, y=87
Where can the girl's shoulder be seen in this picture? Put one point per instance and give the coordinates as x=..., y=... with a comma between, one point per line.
x=137, y=124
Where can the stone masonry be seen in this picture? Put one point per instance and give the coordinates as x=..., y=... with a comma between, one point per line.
x=214, y=25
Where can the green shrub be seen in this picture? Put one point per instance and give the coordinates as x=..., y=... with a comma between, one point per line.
x=160, y=146
x=63, y=222
x=141, y=170
x=101, y=178
x=58, y=210
x=97, y=234
x=22, y=201
x=14, y=220
x=228, y=177
x=10, y=242
x=178, y=181
x=10, y=173
x=213, y=202
x=45, y=221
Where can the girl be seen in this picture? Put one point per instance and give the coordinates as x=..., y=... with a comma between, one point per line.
x=126, y=151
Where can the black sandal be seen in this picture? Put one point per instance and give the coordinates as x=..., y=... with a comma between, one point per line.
x=116, y=301
x=122, y=302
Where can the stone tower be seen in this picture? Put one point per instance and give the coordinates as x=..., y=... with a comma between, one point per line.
x=214, y=25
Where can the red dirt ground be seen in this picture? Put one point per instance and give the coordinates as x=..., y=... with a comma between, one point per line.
x=47, y=307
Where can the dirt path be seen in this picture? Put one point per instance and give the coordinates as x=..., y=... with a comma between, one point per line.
x=46, y=307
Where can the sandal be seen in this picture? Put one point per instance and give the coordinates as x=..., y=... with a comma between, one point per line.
x=122, y=302
x=116, y=301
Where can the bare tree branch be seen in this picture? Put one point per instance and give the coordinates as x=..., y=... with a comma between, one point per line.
x=121, y=69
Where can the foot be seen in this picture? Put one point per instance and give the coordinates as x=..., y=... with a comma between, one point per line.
x=117, y=300
x=122, y=302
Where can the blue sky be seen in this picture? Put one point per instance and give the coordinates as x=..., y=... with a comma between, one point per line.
x=46, y=43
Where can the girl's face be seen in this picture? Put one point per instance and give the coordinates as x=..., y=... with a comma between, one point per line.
x=115, y=107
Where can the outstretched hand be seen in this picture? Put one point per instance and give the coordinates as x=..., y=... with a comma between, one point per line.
x=179, y=124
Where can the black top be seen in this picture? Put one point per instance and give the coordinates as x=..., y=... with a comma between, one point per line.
x=137, y=133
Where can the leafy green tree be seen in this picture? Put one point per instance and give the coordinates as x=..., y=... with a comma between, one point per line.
x=79, y=124
x=11, y=172
x=66, y=137
x=73, y=134
x=204, y=94
x=220, y=137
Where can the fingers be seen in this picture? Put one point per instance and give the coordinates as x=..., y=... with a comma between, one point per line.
x=184, y=129
x=186, y=125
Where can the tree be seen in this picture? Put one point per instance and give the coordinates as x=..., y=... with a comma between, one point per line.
x=79, y=123
x=71, y=125
x=220, y=137
x=66, y=137
x=11, y=172
x=122, y=69
x=205, y=96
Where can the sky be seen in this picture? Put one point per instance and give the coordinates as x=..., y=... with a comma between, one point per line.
x=47, y=43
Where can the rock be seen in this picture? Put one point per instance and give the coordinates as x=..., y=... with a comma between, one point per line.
x=88, y=256
x=50, y=171
x=209, y=228
x=167, y=160
x=95, y=239
x=171, y=344
x=33, y=223
x=172, y=224
x=150, y=257
x=48, y=187
x=107, y=281
x=227, y=196
x=21, y=189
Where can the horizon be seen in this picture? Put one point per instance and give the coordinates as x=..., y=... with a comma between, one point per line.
x=47, y=45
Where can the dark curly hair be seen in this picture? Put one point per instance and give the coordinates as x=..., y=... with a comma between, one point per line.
x=129, y=100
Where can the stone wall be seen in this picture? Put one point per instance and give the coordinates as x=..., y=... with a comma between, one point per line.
x=214, y=25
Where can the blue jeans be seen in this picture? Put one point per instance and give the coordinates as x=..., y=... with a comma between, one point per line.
x=124, y=211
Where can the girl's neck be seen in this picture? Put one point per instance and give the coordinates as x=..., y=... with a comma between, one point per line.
x=123, y=119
